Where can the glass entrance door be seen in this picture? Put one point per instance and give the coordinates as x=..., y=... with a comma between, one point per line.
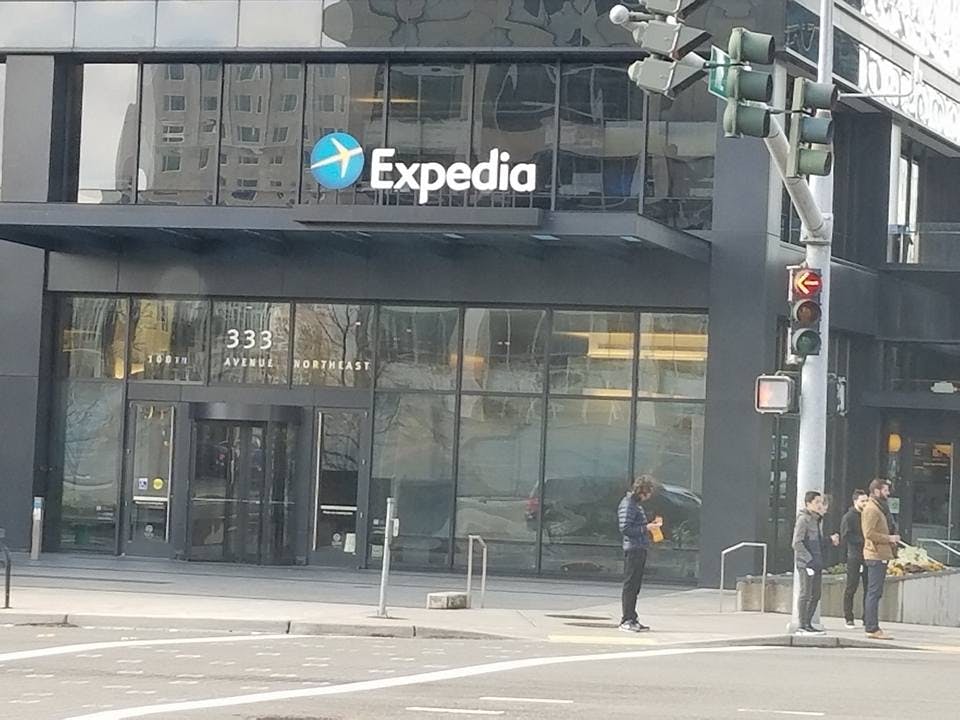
x=241, y=494
x=341, y=487
x=148, y=480
x=931, y=472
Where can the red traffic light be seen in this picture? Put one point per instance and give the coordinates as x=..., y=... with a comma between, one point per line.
x=806, y=313
x=806, y=283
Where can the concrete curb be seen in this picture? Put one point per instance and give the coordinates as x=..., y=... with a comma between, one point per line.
x=406, y=630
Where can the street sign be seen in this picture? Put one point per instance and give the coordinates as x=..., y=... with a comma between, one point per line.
x=807, y=282
x=719, y=67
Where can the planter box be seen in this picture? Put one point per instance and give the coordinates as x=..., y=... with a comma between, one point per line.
x=924, y=599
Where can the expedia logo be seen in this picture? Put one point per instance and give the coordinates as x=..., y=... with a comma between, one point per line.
x=337, y=161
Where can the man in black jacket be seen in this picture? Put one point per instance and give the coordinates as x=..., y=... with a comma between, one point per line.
x=851, y=536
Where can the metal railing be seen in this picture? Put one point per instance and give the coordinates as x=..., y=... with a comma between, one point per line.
x=763, y=578
x=944, y=544
x=483, y=573
x=8, y=565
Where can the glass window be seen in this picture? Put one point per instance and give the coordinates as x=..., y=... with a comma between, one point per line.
x=479, y=23
x=87, y=445
x=413, y=462
x=922, y=367
x=587, y=470
x=297, y=24
x=673, y=355
x=515, y=114
x=418, y=347
x=36, y=24
x=681, y=145
x=591, y=353
x=108, y=134
x=170, y=163
x=497, y=483
x=669, y=447
x=361, y=116
x=250, y=343
x=503, y=350
x=91, y=336
x=333, y=345
x=196, y=24
x=159, y=127
x=128, y=24
x=260, y=89
x=601, y=139
x=168, y=340
x=429, y=121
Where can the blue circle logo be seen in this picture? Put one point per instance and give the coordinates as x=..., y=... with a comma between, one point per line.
x=336, y=160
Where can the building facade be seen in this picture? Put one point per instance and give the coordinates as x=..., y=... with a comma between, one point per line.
x=539, y=283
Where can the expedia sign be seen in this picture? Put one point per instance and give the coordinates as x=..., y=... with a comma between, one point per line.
x=337, y=161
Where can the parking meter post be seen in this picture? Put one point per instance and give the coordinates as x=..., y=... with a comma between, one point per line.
x=385, y=569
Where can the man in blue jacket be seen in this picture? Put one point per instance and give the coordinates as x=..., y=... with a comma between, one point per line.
x=636, y=539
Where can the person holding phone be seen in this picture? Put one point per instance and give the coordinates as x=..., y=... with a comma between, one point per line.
x=636, y=530
x=810, y=552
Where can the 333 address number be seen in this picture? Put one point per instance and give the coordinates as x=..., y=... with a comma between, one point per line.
x=249, y=339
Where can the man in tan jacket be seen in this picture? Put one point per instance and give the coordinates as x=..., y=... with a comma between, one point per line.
x=878, y=547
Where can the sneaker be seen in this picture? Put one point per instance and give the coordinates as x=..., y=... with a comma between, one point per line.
x=630, y=626
x=879, y=635
x=642, y=628
x=850, y=624
x=810, y=630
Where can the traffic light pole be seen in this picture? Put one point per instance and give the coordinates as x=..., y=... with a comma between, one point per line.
x=812, y=444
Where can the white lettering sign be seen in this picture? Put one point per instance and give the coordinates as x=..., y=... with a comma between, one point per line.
x=424, y=178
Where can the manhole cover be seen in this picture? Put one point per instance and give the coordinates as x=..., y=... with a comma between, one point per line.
x=579, y=617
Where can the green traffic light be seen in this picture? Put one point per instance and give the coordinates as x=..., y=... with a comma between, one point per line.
x=805, y=342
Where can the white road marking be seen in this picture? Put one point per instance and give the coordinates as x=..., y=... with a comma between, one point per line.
x=800, y=713
x=82, y=649
x=545, y=701
x=454, y=711
x=402, y=681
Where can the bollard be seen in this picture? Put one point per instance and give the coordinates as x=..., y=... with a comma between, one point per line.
x=36, y=538
x=385, y=569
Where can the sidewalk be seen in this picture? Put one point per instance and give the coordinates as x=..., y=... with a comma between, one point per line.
x=136, y=593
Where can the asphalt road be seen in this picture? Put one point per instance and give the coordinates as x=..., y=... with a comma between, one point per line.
x=104, y=674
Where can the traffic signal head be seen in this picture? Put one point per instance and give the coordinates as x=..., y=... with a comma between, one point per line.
x=807, y=128
x=749, y=120
x=806, y=285
x=751, y=47
x=775, y=394
x=663, y=77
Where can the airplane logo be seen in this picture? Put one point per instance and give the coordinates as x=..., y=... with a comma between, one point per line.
x=336, y=161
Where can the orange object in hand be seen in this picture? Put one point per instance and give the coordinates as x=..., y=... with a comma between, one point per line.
x=656, y=534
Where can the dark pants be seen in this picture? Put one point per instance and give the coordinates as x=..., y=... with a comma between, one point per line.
x=634, y=562
x=810, y=587
x=876, y=572
x=856, y=573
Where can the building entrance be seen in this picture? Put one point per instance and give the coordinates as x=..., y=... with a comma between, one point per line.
x=242, y=492
x=929, y=476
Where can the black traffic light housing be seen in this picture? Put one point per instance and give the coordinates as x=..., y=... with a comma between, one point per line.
x=804, y=296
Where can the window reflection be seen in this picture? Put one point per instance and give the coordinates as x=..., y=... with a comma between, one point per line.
x=673, y=355
x=260, y=149
x=91, y=337
x=503, y=350
x=175, y=145
x=515, y=113
x=669, y=446
x=418, y=347
x=681, y=146
x=108, y=134
x=497, y=483
x=168, y=340
x=87, y=443
x=587, y=469
x=347, y=98
x=430, y=120
x=601, y=139
x=250, y=342
x=591, y=353
x=333, y=345
x=413, y=462
x=470, y=23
